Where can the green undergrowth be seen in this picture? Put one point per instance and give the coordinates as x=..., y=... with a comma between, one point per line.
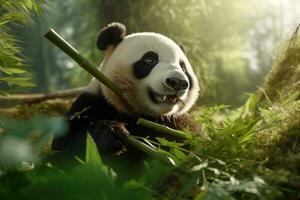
x=253, y=151
x=253, y=154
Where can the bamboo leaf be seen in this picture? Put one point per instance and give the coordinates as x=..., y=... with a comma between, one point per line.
x=28, y=4
x=11, y=71
x=19, y=81
x=165, y=142
x=92, y=155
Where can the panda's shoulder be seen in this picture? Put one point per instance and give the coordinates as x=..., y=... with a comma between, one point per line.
x=92, y=104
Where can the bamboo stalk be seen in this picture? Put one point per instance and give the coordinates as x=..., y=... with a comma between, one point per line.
x=150, y=151
x=162, y=128
x=56, y=39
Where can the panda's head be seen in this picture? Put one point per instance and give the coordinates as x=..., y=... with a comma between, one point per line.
x=151, y=69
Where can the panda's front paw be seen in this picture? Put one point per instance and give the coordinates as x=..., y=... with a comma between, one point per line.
x=110, y=136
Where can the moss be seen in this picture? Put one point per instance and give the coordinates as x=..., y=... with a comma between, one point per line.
x=56, y=107
x=277, y=144
x=285, y=72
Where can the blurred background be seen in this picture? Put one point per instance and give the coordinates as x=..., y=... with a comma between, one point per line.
x=230, y=43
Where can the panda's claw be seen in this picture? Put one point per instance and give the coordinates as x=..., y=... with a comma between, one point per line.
x=110, y=136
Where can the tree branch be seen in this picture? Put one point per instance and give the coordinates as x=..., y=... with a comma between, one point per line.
x=14, y=99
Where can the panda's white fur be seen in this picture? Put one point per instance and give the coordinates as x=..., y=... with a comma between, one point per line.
x=117, y=66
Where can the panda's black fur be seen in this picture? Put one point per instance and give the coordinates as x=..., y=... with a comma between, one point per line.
x=92, y=112
x=112, y=34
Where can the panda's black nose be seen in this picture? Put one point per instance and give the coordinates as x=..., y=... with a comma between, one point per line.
x=177, y=84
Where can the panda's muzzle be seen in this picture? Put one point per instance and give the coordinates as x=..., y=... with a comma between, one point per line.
x=162, y=98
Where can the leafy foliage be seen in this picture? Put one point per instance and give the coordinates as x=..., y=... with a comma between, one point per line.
x=89, y=180
x=12, y=66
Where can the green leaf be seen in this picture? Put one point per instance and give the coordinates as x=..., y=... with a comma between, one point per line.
x=167, y=143
x=28, y=4
x=3, y=22
x=179, y=154
x=11, y=71
x=19, y=81
x=92, y=155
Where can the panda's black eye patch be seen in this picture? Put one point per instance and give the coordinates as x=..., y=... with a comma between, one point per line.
x=143, y=67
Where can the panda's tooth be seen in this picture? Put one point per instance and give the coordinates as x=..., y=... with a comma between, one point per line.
x=161, y=97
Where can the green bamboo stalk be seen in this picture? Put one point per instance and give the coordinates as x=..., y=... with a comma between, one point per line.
x=150, y=151
x=162, y=128
x=56, y=39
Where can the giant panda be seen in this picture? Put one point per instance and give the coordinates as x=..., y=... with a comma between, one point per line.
x=158, y=83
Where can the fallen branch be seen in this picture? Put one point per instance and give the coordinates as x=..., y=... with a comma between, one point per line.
x=14, y=99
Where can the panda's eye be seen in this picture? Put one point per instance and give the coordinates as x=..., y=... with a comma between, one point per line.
x=182, y=65
x=150, y=61
x=150, y=58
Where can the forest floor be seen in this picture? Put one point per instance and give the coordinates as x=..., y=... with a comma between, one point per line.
x=254, y=153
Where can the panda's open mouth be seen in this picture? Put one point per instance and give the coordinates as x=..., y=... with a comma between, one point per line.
x=162, y=98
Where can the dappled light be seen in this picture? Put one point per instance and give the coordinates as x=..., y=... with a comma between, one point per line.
x=202, y=103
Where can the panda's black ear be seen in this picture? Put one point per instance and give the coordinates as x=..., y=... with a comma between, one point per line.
x=112, y=34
